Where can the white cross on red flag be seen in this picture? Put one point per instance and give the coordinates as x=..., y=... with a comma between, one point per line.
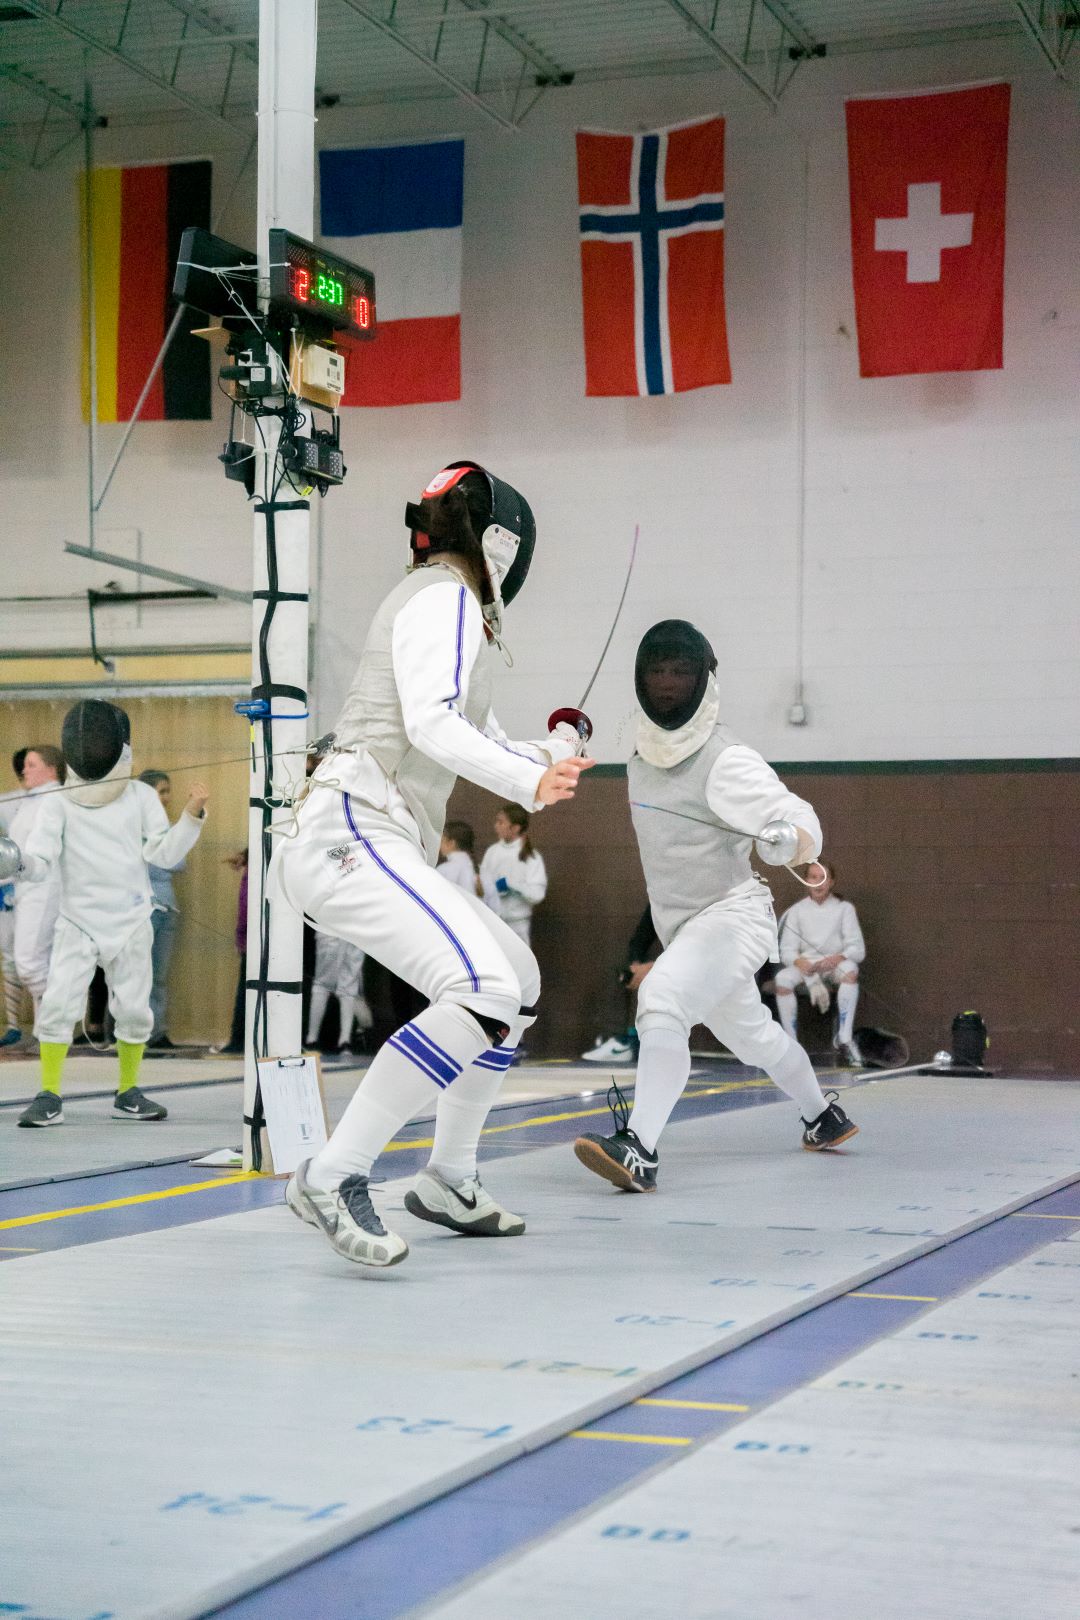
x=927, y=179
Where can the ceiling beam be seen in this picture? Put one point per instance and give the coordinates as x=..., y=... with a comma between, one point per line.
x=434, y=67
x=64, y=23
x=706, y=35
x=793, y=43
x=544, y=64
x=37, y=87
x=1054, y=35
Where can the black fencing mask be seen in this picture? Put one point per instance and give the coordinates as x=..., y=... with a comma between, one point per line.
x=671, y=676
x=493, y=516
x=96, y=744
x=881, y=1048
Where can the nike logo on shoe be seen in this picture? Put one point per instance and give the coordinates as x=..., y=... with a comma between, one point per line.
x=469, y=1203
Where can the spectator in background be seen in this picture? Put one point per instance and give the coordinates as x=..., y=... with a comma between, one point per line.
x=513, y=877
x=457, y=861
x=37, y=905
x=13, y=990
x=622, y=1048
x=339, y=969
x=234, y=1046
x=821, y=945
x=164, y=920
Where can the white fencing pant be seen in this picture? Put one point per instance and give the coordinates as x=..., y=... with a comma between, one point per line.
x=37, y=906
x=12, y=987
x=129, y=975
x=706, y=976
x=338, y=970
x=358, y=876
x=794, y=979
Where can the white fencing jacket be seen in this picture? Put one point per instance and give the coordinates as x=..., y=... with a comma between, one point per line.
x=102, y=857
x=816, y=929
x=526, y=880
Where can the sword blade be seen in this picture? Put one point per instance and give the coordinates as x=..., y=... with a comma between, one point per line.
x=615, y=620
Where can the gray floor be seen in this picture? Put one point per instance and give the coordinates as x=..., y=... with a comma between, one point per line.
x=229, y=1398
x=933, y=1477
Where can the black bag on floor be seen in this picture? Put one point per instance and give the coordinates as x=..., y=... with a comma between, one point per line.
x=970, y=1039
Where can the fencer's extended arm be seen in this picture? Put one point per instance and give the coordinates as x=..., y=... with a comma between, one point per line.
x=436, y=638
x=852, y=944
x=745, y=791
x=41, y=852
x=563, y=743
x=162, y=844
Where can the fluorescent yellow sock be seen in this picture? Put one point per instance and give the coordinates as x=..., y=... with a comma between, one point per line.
x=53, y=1054
x=130, y=1055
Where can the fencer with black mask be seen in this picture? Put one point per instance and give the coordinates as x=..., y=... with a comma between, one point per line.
x=362, y=864
x=697, y=793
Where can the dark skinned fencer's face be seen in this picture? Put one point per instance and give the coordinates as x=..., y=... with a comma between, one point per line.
x=670, y=683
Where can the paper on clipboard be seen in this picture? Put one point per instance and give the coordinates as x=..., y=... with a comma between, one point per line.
x=294, y=1109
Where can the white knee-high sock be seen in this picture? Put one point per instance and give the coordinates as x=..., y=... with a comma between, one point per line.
x=663, y=1069
x=317, y=1008
x=788, y=1009
x=462, y=1109
x=794, y=1073
x=12, y=1000
x=847, y=999
x=347, y=1009
x=415, y=1066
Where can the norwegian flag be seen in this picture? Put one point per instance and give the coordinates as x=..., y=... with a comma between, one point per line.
x=652, y=259
x=927, y=177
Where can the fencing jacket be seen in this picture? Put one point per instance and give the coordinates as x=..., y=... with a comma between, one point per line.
x=526, y=880
x=681, y=814
x=102, y=856
x=816, y=929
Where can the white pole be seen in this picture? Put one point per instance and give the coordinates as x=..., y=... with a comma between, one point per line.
x=287, y=38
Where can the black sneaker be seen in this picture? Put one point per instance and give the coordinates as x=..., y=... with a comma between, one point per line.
x=131, y=1104
x=829, y=1129
x=46, y=1109
x=621, y=1158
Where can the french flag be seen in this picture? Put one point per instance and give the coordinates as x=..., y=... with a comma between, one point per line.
x=397, y=211
x=652, y=259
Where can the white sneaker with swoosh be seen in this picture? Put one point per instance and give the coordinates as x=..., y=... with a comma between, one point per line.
x=463, y=1206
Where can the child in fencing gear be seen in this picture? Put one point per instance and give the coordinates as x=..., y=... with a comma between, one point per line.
x=821, y=944
x=512, y=875
x=100, y=834
x=457, y=863
x=36, y=904
x=339, y=969
x=698, y=796
x=362, y=865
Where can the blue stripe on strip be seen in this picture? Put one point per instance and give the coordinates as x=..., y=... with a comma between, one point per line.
x=474, y=980
x=418, y=1062
x=369, y=190
x=406, y=1037
x=432, y=1047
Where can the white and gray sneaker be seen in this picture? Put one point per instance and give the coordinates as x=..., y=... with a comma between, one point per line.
x=463, y=1206
x=347, y=1216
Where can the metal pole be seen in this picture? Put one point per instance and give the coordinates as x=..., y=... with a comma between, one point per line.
x=91, y=303
x=287, y=36
x=797, y=712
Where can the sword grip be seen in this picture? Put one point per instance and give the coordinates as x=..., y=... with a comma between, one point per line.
x=572, y=717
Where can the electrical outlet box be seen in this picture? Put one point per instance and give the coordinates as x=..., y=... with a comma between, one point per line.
x=323, y=369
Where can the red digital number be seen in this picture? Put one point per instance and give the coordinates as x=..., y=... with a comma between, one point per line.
x=361, y=313
x=301, y=285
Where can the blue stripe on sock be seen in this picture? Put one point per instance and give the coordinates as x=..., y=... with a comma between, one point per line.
x=418, y=1062
x=433, y=1047
x=474, y=980
x=494, y=1060
x=446, y=1068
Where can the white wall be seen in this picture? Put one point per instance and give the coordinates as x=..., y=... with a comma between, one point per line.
x=941, y=558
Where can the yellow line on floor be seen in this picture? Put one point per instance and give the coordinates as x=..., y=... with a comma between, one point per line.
x=922, y=1299
x=1027, y=1215
x=631, y=1439
x=695, y=1406
x=122, y=1203
x=16, y=1248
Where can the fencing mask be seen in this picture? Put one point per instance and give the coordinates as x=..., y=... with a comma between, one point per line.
x=881, y=1048
x=676, y=687
x=96, y=744
x=465, y=508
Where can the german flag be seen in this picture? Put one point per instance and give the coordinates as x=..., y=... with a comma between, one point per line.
x=138, y=216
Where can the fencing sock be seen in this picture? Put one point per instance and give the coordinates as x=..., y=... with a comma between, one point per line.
x=414, y=1067
x=464, y=1106
x=347, y=1009
x=130, y=1055
x=663, y=1068
x=53, y=1054
x=847, y=999
x=787, y=1008
x=316, y=1010
x=13, y=993
x=794, y=1073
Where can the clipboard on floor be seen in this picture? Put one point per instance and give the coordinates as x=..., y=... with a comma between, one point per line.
x=294, y=1107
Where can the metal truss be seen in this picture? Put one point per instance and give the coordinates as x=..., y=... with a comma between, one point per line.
x=1053, y=25
x=55, y=15
x=773, y=43
x=477, y=91
x=72, y=118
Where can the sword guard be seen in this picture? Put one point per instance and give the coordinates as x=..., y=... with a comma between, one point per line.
x=572, y=717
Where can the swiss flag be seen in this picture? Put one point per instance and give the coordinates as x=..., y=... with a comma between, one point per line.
x=927, y=178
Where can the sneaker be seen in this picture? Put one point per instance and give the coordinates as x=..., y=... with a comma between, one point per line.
x=829, y=1129
x=160, y=1043
x=621, y=1158
x=11, y=1037
x=347, y=1216
x=610, y=1051
x=849, y=1053
x=131, y=1104
x=463, y=1206
x=46, y=1109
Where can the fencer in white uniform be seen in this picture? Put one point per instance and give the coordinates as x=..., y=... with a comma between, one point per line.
x=362, y=864
x=37, y=905
x=11, y=1034
x=512, y=874
x=695, y=792
x=339, y=969
x=821, y=944
x=99, y=834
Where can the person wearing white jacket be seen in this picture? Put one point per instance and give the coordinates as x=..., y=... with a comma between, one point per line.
x=36, y=904
x=362, y=865
x=821, y=944
x=512, y=875
x=99, y=834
